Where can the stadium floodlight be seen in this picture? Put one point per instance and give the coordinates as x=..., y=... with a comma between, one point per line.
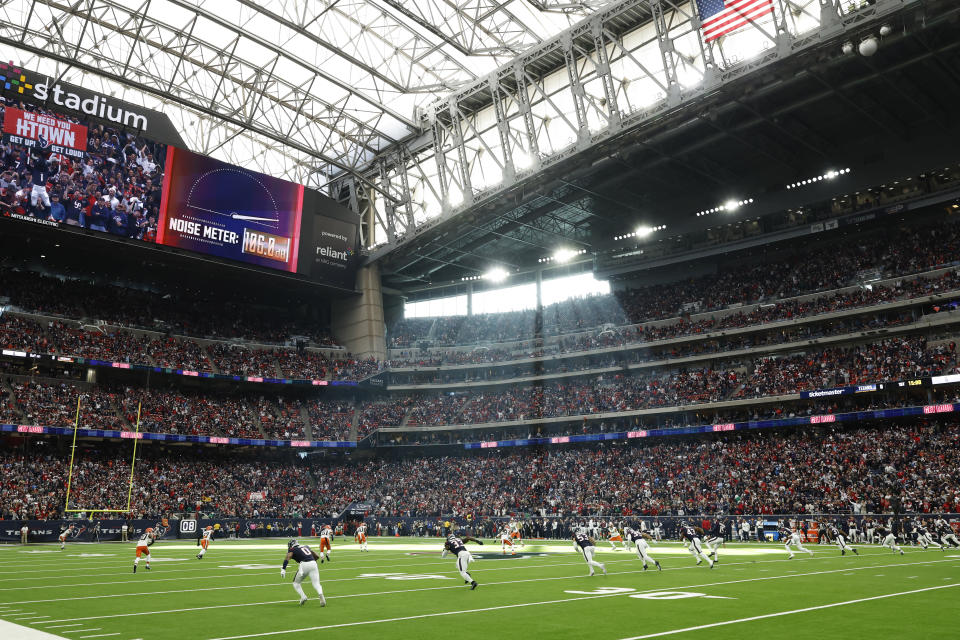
x=496, y=275
x=731, y=205
x=868, y=46
x=564, y=255
x=522, y=159
x=643, y=231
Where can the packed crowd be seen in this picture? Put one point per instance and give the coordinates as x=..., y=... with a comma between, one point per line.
x=26, y=333
x=910, y=466
x=34, y=485
x=51, y=403
x=806, y=270
x=609, y=337
x=193, y=413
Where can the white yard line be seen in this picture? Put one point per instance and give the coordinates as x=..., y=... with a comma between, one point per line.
x=485, y=584
x=339, y=566
x=58, y=626
x=423, y=615
x=786, y=613
x=11, y=630
x=270, y=585
x=283, y=583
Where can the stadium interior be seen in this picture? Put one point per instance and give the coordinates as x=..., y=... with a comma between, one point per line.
x=436, y=267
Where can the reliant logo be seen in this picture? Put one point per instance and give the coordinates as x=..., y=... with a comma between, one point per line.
x=330, y=252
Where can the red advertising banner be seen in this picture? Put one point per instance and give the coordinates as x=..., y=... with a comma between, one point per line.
x=39, y=131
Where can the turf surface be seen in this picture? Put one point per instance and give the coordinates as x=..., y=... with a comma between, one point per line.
x=403, y=588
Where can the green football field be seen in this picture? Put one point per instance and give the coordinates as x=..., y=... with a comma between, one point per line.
x=401, y=588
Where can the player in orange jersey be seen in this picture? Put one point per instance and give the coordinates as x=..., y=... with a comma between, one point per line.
x=326, y=538
x=361, y=537
x=205, y=541
x=143, y=547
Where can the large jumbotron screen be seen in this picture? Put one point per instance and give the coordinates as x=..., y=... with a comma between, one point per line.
x=219, y=209
x=69, y=171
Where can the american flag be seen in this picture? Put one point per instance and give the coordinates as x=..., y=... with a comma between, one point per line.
x=720, y=17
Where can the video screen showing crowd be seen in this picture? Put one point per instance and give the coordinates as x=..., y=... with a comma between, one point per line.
x=115, y=187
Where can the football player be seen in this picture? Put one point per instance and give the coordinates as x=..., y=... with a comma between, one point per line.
x=205, y=541
x=887, y=539
x=791, y=538
x=361, y=536
x=639, y=540
x=326, y=539
x=66, y=531
x=586, y=546
x=613, y=537
x=924, y=539
x=834, y=535
x=307, y=559
x=947, y=535
x=457, y=546
x=712, y=541
x=505, y=542
x=143, y=547
x=689, y=533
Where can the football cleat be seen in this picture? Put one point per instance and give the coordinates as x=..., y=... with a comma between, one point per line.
x=644, y=567
x=302, y=600
x=134, y=568
x=473, y=585
x=148, y=567
x=659, y=568
x=604, y=567
x=323, y=601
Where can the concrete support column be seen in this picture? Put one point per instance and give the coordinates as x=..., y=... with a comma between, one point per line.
x=358, y=322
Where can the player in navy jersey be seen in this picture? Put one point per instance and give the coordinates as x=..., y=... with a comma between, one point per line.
x=948, y=537
x=457, y=546
x=639, y=541
x=924, y=539
x=835, y=536
x=586, y=546
x=307, y=559
x=792, y=538
x=887, y=539
x=689, y=533
x=40, y=175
